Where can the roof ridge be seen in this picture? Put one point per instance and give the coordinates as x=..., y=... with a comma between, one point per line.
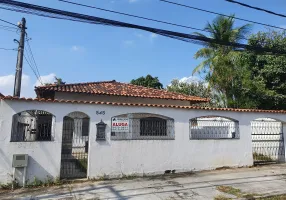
x=120, y=89
x=69, y=84
x=165, y=90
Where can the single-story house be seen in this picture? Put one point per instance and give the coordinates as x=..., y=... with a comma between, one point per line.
x=112, y=91
x=110, y=129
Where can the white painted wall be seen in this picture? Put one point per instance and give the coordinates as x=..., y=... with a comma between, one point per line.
x=115, y=158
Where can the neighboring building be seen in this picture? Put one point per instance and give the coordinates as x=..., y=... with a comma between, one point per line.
x=1, y=95
x=112, y=91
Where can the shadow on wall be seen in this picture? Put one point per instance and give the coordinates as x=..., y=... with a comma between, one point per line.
x=35, y=172
x=6, y=163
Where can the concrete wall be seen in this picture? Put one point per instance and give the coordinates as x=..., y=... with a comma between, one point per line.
x=120, y=99
x=115, y=158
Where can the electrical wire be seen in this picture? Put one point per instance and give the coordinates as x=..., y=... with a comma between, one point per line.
x=135, y=16
x=256, y=8
x=8, y=28
x=71, y=16
x=32, y=69
x=33, y=59
x=8, y=22
x=32, y=65
x=8, y=49
x=216, y=13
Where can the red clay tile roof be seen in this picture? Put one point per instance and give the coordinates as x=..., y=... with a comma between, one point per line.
x=138, y=105
x=117, y=89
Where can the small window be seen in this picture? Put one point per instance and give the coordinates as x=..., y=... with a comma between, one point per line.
x=32, y=125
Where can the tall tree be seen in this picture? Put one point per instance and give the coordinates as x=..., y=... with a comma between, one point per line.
x=200, y=89
x=267, y=73
x=148, y=81
x=218, y=63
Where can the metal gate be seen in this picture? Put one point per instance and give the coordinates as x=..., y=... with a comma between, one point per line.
x=74, y=153
x=267, y=141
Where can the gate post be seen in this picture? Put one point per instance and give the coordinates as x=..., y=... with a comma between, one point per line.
x=284, y=139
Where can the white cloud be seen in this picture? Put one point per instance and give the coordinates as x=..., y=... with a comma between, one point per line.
x=192, y=79
x=7, y=85
x=189, y=79
x=27, y=88
x=132, y=1
x=50, y=78
x=77, y=48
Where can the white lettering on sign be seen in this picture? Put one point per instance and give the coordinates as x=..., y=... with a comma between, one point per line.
x=119, y=124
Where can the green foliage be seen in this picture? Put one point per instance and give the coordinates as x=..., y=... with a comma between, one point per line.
x=218, y=60
x=10, y=186
x=266, y=72
x=197, y=88
x=82, y=164
x=59, y=81
x=148, y=81
x=262, y=157
x=49, y=181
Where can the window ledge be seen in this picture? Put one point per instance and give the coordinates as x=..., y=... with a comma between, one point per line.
x=214, y=138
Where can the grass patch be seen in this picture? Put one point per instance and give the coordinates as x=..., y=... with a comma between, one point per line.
x=277, y=197
x=82, y=164
x=262, y=157
x=237, y=192
x=230, y=190
x=221, y=197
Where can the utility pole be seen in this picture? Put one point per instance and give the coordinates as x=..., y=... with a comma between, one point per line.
x=19, y=66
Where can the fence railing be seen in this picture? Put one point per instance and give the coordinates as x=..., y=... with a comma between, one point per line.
x=267, y=141
x=214, y=128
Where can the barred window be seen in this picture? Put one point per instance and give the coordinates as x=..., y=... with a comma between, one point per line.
x=32, y=125
x=153, y=126
x=143, y=126
x=213, y=127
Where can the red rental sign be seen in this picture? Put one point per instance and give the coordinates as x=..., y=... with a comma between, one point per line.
x=120, y=124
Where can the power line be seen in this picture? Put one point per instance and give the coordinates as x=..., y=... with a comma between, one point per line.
x=33, y=59
x=6, y=29
x=32, y=65
x=65, y=15
x=32, y=69
x=135, y=16
x=9, y=27
x=246, y=20
x=257, y=8
x=8, y=49
x=8, y=22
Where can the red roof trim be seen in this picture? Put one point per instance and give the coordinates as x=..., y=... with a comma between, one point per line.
x=140, y=104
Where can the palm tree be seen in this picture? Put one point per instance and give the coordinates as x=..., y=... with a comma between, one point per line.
x=218, y=59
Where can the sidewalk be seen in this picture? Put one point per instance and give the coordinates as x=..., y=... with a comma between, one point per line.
x=236, y=183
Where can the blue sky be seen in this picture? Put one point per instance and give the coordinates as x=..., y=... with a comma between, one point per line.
x=79, y=52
